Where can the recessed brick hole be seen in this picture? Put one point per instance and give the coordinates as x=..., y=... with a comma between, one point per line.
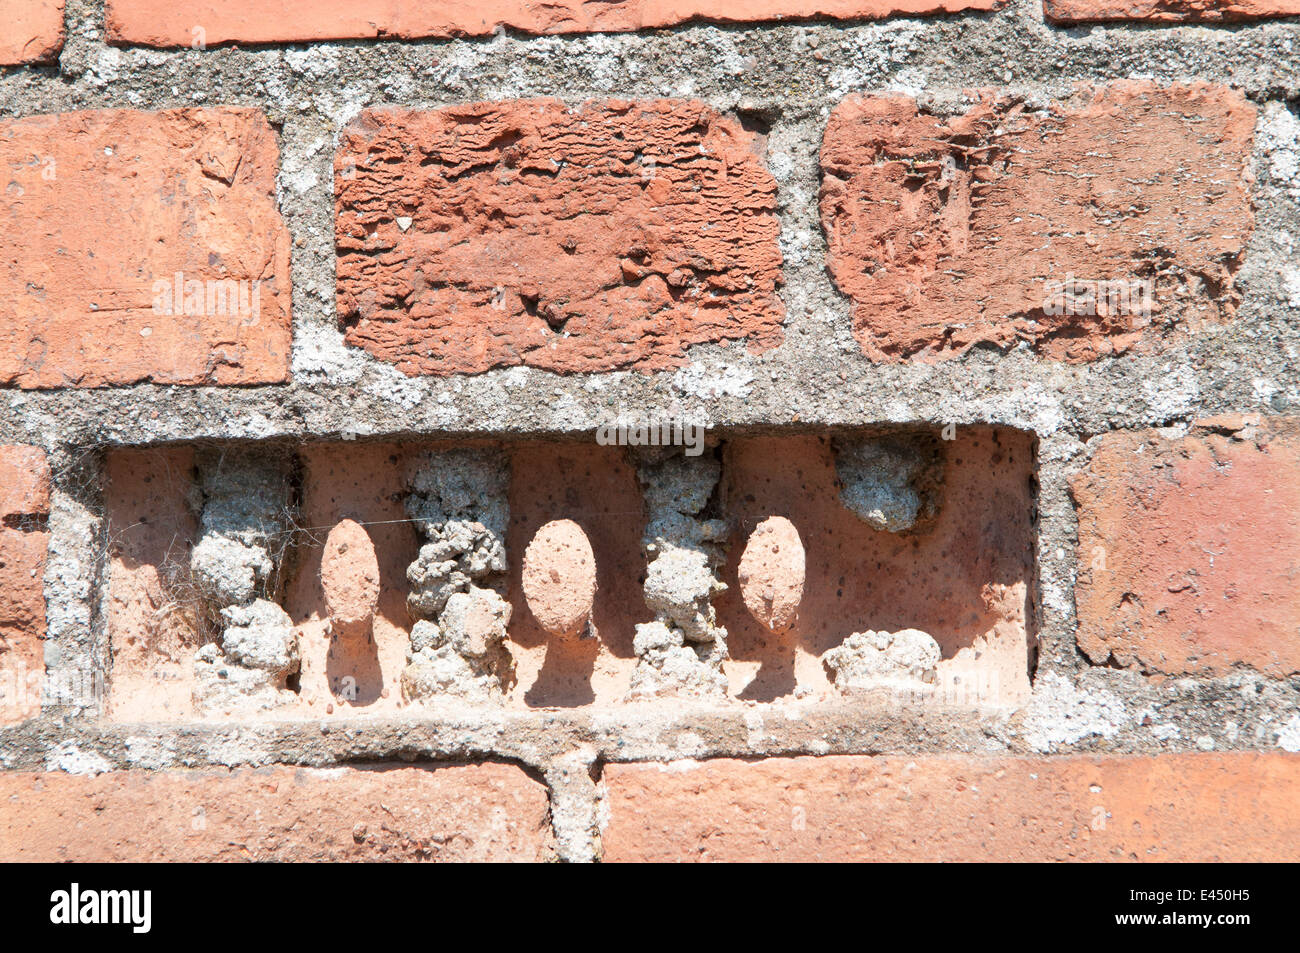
x=889, y=561
x=963, y=575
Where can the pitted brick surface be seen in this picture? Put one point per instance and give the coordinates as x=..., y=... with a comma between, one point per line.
x=1167, y=11
x=163, y=23
x=949, y=233
x=1178, y=807
x=497, y=234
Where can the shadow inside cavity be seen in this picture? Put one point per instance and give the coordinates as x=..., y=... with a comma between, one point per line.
x=352, y=664
x=564, y=680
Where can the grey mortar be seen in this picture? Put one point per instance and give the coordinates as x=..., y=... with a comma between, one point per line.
x=789, y=76
x=681, y=651
x=459, y=500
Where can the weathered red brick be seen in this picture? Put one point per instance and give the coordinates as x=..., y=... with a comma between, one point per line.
x=31, y=31
x=24, y=498
x=1178, y=807
x=950, y=232
x=22, y=622
x=490, y=812
x=24, y=482
x=497, y=234
x=178, y=22
x=103, y=210
x=1167, y=11
x=1189, y=548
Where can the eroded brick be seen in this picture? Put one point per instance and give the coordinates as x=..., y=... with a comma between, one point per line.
x=106, y=214
x=1167, y=11
x=31, y=31
x=489, y=812
x=24, y=502
x=1189, y=548
x=1176, y=807
x=946, y=233
x=162, y=23
x=498, y=234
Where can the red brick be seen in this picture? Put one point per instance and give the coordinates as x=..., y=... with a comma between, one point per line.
x=487, y=812
x=24, y=482
x=498, y=234
x=1167, y=11
x=22, y=564
x=946, y=232
x=101, y=205
x=1189, y=549
x=31, y=31
x=24, y=497
x=1178, y=807
x=174, y=22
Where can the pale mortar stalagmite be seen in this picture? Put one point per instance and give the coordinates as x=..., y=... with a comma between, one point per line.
x=681, y=652
x=559, y=579
x=906, y=660
x=246, y=498
x=458, y=501
x=349, y=579
x=771, y=573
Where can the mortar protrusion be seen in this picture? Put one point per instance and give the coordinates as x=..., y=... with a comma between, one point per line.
x=892, y=483
x=575, y=806
x=458, y=500
x=245, y=508
x=771, y=573
x=906, y=660
x=682, y=651
x=246, y=502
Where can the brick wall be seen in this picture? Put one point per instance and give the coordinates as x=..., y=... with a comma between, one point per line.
x=965, y=343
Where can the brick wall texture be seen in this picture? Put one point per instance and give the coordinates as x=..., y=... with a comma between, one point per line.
x=998, y=318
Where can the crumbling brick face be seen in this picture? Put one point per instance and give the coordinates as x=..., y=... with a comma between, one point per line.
x=610, y=236
x=1167, y=11
x=142, y=246
x=31, y=31
x=1189, y=548
x=160, y=23
x=1176, y=807
x=951, y=232
x=24, y=508
x=488, y=812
